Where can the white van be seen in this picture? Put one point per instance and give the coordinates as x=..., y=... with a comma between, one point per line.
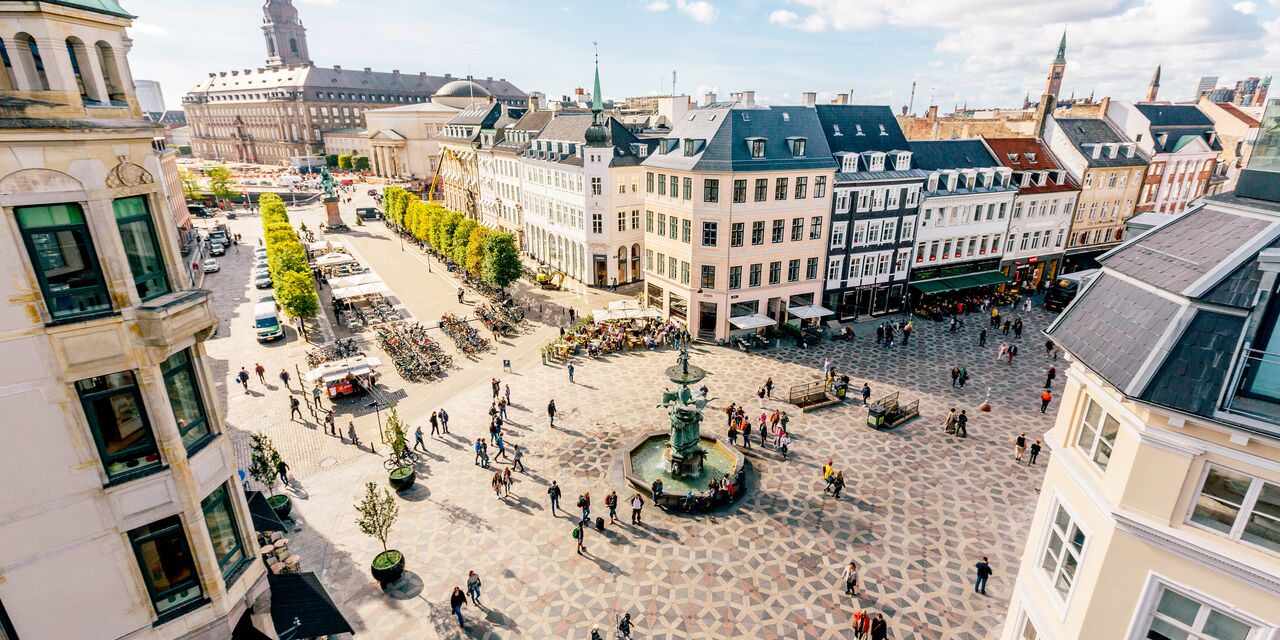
x=266, y=321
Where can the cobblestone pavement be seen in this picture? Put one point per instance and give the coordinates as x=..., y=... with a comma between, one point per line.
x=920, y=508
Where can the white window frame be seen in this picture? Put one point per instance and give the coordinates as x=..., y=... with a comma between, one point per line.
x=855, y=267
x=895, y=194
x=1091, y=451
x=1046, y=581
x=1155, y=586
x=838, y=231
x=1246, y=507
x=859, y=236
x=835, y=268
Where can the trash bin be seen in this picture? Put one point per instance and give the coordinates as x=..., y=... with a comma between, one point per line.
x=875, y=416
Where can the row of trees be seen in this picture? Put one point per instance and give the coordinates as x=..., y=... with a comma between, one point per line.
x=347, y=161
x=287, y=262
x=220, y=186
x=482, y=252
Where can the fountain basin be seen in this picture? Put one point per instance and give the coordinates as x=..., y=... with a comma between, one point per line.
x=646, y=458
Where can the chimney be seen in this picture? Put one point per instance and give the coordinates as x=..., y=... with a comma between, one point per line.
x=1106, y=101
x=262, y=70
x=395, y=72
x=448, y=76
x=533, y=103
x=368, y=69
x=749, y=98
x=932, y=113
x=337, y=67
x=735, y=96
x=708, y=98
x=841, y=98
x=809, y=98
x=850, y=97
x=489, y=79
x=212, y=74
x=904, y=110
x=422, y=74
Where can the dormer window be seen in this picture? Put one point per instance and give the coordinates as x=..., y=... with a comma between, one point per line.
x=1061, y=177
x=1013, y=158
x=1024, y=179
x=875, y=161
x=882, y=131
x=858, y=127
x=1031, y=157
x=690, y=147
x=988, y=180
x=1115, y=151
x=1043, y=178
x=786, y=117
x=952, y=180
x=933, y=182
x=848, y=163
x=756, y=146
x=797, y=145
x=835, y=130
x=902, y=161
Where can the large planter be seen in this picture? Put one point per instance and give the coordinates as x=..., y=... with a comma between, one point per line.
x=402, y=478
x=282, y=505
x=387, y=566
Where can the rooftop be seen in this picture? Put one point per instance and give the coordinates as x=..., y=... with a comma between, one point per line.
x=1091, y=131
x=724, y=128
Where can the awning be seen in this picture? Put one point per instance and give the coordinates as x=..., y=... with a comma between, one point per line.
x=301, y=608
x=959, y=283
x=361, y=290
x=354, y=280
x=753, y=321
x=810, y=311
x=331, y=259
x=326, y=246
x=264, y=517
x=339, y=369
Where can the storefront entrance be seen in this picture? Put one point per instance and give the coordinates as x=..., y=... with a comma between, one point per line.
x=707, y=312
x=601, y=265
x=871, y=301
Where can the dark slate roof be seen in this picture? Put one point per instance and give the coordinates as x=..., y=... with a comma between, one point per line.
x=1088, y=131
x=840, y=123
x=1179, y=253
x=572, y=128
x=937, y=155
x=1112, y=326
x=1171, y=139
x=887, y=176
x=490, y=115
x=1191, y=377
x=1163, y=115
x=312, y=78
x=531, y=122
x=726, y=126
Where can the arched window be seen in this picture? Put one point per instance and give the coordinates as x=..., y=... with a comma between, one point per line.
x=80, y=68
x=111, y=74
x=293, y=46
x=8, y=81
x=271, y=46
x=33, y=65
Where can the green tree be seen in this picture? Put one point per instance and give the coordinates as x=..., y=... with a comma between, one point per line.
x=377, y=514
x=344, y=161
x=184, y=150
x=360, y=163
x=263, y=462
x=501, y=260
x=458, y=240
x=331, y=160
x=475, y=251
x=220, y=182
x=190, y=185
x=297, y=296
x=394, y=435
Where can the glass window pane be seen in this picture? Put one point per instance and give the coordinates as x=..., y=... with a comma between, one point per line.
x=166, y=564
x=1062, y=519
x=1220, y=499
x=1178, y=607
x=119, y=423
x=1077, y=540
x=1028, y=631
x=61, y=253
x=1221, y=627
x=221, y=521
x=1263, y=527
x=145, y=262
x=1162, y=630
x=184, y=398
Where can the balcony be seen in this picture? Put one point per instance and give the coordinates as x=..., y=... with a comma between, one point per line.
x=172, y=317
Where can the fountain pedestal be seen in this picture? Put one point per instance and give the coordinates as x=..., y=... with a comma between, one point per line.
x=684, y=454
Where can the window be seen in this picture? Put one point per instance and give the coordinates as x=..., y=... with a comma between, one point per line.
x=167, y=565
x=1028, y=631
x=908, y=228
x=684, y=272
x=662, y=264
x=648, y=221
x=834, y=267
x=736, y=233
x=138, y=235
x=757, y=147
x=796, y=144
x=597, y=223
x=820, y=187
x=757, y=232
x=597, y=186
x=802, y=188
x=855, y=267
x=780, y=189
x=779, y=227
x=1098, y=435
x=775, y=272
x=662, y=184
x=648, y=182
x=709, y=230
x=118, y=420
x=873, y=233
x=1240, y=506
x=1185, y=618
x=635, y=218
x=739, y=190
x=811, y=269
x=675, y=186
x=662, y=224
x=61, y=252
x=735, y=277
x=220, y=519
x=762, y=188
x=622, y=221
x=837, y=233
x=671, y=230
x=753, y=279
x=686, y=230
x=710, y=190
x=185, y=399
x=708, y=276
x=648, y=259
x=793, y=270
x=815, y=228
x=1062, y=552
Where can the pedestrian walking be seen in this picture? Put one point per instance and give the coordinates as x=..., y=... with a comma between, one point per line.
x=496, y=483
x=473, y=587
x=295, y=407
x=329, y=426
x=579, y=532
x=1019, y=446
x=637, y=504
x=760, y=393
x=493, y=382
x=733, y=435
x=554, y=493
x=879, y=628
x=955, y=375
x=551, y=412
x=768, y=386
x=1035, y=453
x=282, y=468
x=746, y=434
x=850, y=578
x=456, y=602
x=351, y=433
x=459, y=295
x=949, y=423
x=826, y=366
x=1017, y=328
x=1004, y=351
x=517, y=456
x=315, y=395
x=284, y=379
x=570, y=369
x=435, y=423
x=624, y=627
x=506, y=393
x=906, y=332
x=984, y=572
x=837, y=484
x=1049, y=376
x=828, y=474
x=1004, y=328
x=502, y=448
x=962, y=424
x=444, y=420
x=243, y=377
x=584, y=503
x=262, y=373
x=866, y=393
x=477, y=447
x=1045, y=398
x=964, y=376
x=611, y=502
x=417, y=439
x=880, y=333
x=502, y=408
x=861, y=625
x=1048, y=347
x=982, y=338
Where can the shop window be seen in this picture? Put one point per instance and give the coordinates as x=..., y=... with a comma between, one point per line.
x=113, y=406
x=66, y=265
x=167, y=566
x=141, y=247
x=184, y=398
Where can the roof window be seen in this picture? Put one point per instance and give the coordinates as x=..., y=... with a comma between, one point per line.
x=835, y=130
x=756, y=147
x=882, y=131
x=746, y=117
x=858, y=127
x=1013, y=157
x=786, y=117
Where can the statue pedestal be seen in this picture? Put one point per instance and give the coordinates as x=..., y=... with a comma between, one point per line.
x=332, y=219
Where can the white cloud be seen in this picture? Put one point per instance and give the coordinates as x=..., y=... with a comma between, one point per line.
x=325, y=2
x=1247, y=8
x=700, y=10
x=657, y=5
x=149, y=29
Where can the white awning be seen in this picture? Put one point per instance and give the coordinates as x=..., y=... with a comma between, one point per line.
x=330, y=259
x=753, y=321
x=371, y=289
x=810, y=311
x=338, y=369
x=326, y=246
x=354, y=280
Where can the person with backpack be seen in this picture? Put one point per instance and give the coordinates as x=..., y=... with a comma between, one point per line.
x=554, y=493
x=262, y=373
x=584, y=503
x=579, y=532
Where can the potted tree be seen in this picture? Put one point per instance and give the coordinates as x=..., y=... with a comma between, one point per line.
x=402, y=475
x=377, y=514
x=264, y=467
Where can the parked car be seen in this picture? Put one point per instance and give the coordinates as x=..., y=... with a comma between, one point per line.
x=217, y=249
x=261, y=272
x=262, y=281
x=260, y=253
x=368, y=213
x=211, y=265
x=372, y=192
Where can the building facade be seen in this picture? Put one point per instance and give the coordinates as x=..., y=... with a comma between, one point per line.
x=473, y=132
x=283, y=109
x=964, y=219
x=1181, y=145
x=1159, y=516
x=733, y=225
x=1237, y=132
x=120, y=508
x=507, y=175
x=1110, y=171
x=876, y=198
x=1042, y=211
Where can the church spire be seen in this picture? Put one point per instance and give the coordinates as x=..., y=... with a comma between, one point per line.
x=1062, y=50
x=596, y=134
x=1054, y=82
x=1153, y=89
x=286, y=37
x=596, y=106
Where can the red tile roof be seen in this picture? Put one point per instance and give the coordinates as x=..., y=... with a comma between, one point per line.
x=1022, y=151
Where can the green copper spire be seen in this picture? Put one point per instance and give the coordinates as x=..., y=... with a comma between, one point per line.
x=596, y=135
x=596, y=107
x=1062, y=50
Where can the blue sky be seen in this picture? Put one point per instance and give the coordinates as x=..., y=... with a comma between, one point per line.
x=979, y=52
